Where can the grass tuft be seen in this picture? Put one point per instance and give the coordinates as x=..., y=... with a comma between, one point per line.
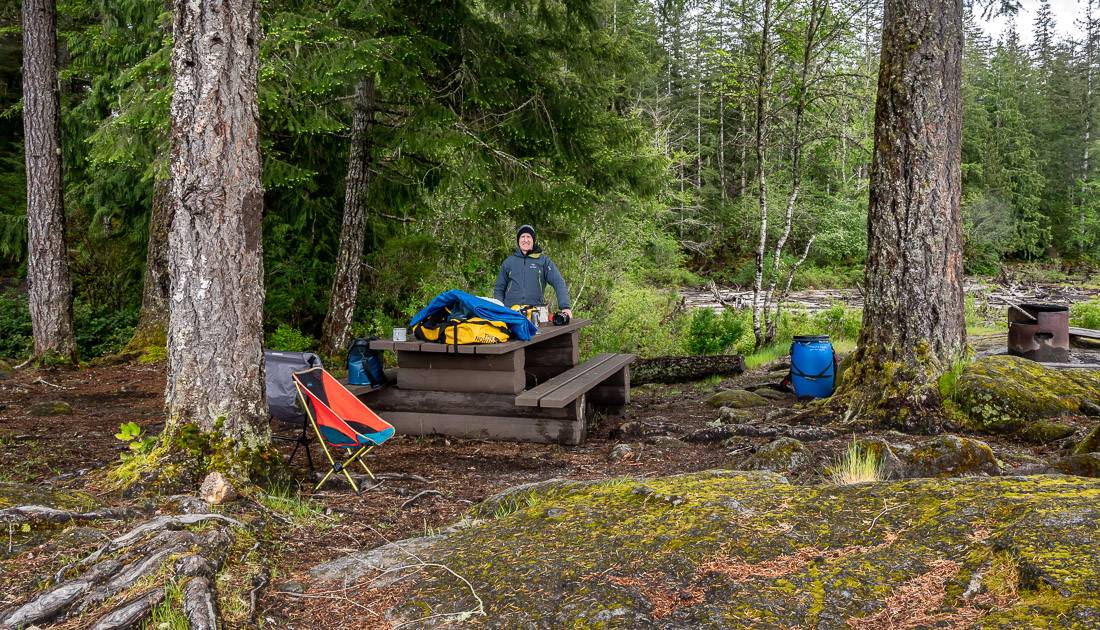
x=856, y=465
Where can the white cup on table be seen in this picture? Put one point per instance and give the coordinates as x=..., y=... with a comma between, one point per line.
x=399, y=334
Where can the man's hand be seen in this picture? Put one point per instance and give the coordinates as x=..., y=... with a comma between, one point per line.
x=568, y=313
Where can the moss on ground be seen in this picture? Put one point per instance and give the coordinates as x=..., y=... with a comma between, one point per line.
x=729, y=548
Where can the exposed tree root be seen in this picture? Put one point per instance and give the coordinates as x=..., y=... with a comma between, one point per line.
x=129, y=613
x=44, y=514
x=200, y=604
x=157, y=550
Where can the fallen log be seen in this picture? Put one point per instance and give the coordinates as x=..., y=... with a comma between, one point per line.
x=801, y=433
x=683, y=369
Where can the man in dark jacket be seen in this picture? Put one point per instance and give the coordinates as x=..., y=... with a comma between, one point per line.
x=524, y=275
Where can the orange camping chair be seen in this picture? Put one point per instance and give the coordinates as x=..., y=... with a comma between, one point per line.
x=341, y=420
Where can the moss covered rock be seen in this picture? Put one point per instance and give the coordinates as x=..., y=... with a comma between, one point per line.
x=1085, y=465
x=781, y=455
x=1046, y=431
x=734, y=550
x=737, y=398
x=729, y=415
x=951, y=456
x=1091, y=443
x=50, y=408
x=1005, y=394
x=772, y=394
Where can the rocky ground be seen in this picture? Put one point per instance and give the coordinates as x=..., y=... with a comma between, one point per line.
x=640, y=550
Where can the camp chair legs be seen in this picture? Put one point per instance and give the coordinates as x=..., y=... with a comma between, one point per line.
x=303, y=440
x=342, y=467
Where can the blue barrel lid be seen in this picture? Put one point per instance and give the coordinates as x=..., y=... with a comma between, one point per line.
x=809, y=338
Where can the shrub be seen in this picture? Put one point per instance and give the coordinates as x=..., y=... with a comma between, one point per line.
x=102, y=330
x=99, y=330
x=636, y=319
x=1085, y=314
x=289, y=339
x=708, y=333
x=15, y=326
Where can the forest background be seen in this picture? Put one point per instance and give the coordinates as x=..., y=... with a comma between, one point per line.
x=639, y=137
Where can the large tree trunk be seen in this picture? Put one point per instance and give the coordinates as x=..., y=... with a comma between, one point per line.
x=913, y=315
x=51, y=290
x=215, y=335
x=345, y=281
x=153, y=320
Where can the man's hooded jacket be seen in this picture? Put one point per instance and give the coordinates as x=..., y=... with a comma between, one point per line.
x=523, y=277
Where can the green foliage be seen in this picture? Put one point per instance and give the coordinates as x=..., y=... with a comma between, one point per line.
x=15, y=325
x=842, y=324
x=948, y=382
x=102, y=330
x=285, y=500
x=168, y=615
x=639, y=320
x=1085, y=314
x=140, y=444
x=707, y=333
x=289, y=339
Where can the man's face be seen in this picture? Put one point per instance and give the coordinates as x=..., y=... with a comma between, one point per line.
x=526, y=242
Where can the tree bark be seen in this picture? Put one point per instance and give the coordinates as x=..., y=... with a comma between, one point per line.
x=913, y=321
x=345, y=280
x=763, y=86
x=51, y=289
x=215, y=335
x=153, y=320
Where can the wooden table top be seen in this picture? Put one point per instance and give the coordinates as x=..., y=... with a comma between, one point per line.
x=546, y=331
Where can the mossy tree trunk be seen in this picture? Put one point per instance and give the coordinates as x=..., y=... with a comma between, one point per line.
x=51, y=289
x=152, y=325
x=345, y=281
x=913, y=323
x=215, y=335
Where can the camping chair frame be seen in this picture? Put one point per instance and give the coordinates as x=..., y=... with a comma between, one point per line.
x=363, y=443
x=302, y=440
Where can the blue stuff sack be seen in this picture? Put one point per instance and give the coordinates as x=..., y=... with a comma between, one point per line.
x=364, y=364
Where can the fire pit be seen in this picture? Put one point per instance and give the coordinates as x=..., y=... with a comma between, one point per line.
x=1039, y=332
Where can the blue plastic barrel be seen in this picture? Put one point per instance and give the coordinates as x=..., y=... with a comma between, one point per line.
x=813, y=372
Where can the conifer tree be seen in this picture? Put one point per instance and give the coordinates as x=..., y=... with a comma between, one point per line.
x=50, y=288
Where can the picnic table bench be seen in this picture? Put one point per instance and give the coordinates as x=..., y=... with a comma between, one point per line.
x=534, y=390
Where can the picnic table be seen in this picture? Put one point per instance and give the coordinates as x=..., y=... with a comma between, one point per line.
x=535, y=390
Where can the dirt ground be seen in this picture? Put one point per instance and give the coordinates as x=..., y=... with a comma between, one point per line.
x=66, y=451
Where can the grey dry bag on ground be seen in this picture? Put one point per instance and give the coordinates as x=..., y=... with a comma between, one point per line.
x=282, y=397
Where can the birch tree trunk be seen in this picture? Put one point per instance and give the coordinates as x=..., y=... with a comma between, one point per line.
x=816, y=11
x=913, y=316
x=345, y=281
x=763, y=86
x=152, y=324
x=215, y=335
x=51, y=289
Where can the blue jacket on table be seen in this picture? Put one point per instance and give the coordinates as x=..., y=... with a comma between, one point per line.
x=523, y=279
